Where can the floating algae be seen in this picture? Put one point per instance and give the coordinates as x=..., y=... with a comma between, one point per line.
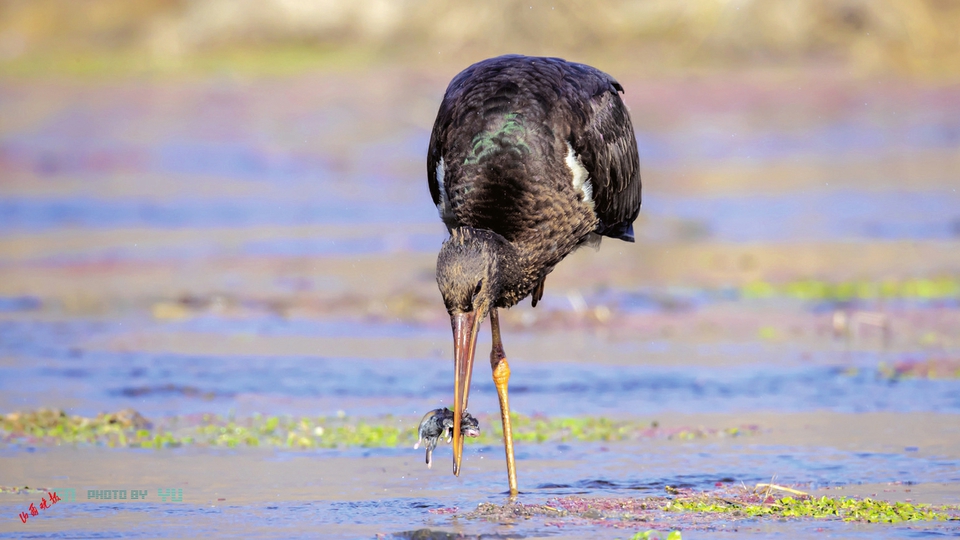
x=704, y=509
x=128, y=429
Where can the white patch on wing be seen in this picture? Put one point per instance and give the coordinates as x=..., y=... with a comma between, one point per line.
x=581, y=179
x=444, y=205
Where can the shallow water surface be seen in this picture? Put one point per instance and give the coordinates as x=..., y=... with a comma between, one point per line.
x=244, y=248
x=54, y=363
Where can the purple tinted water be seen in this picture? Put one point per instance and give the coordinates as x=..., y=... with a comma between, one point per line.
x=383, y=182
x=168, y=384
x=818, y=216
x=36, y=214
x=709, y=142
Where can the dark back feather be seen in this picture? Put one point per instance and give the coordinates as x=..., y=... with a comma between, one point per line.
x=502, y=133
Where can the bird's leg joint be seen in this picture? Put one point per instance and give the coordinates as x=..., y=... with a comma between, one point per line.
x=501, y=370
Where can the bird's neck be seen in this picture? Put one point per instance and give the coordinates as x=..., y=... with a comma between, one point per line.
x=515, y=278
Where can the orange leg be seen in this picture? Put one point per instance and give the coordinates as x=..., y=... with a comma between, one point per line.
x=501, y=375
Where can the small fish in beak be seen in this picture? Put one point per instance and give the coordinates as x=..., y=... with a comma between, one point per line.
x=439, y=423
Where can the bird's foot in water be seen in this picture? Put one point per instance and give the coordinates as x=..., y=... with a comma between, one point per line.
x=439, y=423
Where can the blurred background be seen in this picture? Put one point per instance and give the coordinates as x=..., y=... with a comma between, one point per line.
x=193, y=187
x=917, y=36
x=215, y=213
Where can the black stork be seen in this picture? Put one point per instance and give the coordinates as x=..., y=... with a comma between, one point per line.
x=529, y=159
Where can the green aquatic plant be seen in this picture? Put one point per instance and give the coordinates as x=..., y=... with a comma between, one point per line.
x=686, y=509
x=656, y=535
x=17, y=490
x=846, y=508
x=598, y=429
x=939, y=288
x=129, y=429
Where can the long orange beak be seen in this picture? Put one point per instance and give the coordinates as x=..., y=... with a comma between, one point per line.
x=465, y=329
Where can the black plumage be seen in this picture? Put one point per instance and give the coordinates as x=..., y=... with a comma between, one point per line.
x=529, y=158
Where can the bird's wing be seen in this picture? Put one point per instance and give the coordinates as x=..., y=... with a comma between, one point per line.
x=596, y=118
x=435, y=165
x=607, y=148
x=434, y=158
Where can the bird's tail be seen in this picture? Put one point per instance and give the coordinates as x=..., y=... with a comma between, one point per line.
x=621, y=231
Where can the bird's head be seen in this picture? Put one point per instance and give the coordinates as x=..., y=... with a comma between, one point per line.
x=472, y=269
x=468, y=270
